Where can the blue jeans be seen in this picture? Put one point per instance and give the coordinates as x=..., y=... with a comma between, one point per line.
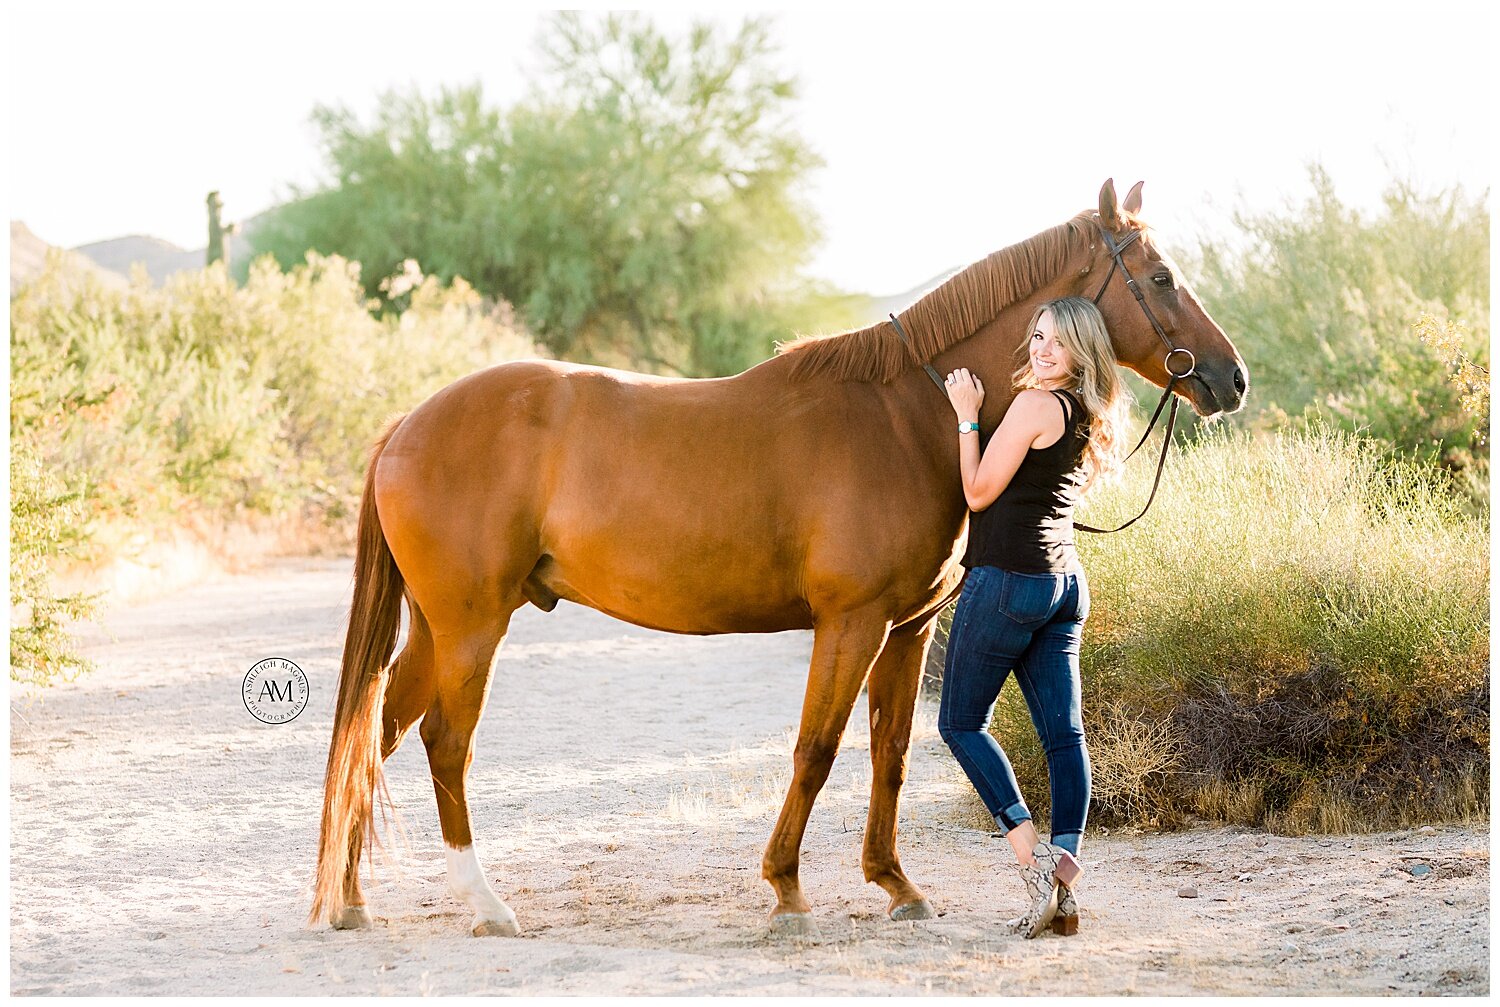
x=1031, y=624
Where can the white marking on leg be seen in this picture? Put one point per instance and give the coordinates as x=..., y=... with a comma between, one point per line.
x=875, y=720
x=468, y=884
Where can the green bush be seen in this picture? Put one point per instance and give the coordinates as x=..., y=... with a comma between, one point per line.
x=148, y=405
x=1297, y=635
x=1324, y=302
x=44, y=524
x=642, y=205
x=259, y=398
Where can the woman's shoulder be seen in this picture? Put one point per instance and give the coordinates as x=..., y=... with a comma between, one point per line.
x=1043, y=403
x=1033, y=400
x=1034, y=411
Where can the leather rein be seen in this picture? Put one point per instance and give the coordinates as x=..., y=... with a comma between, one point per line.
x=1117, y=261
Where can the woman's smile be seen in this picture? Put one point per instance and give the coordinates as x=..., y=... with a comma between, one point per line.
x=1050, y=360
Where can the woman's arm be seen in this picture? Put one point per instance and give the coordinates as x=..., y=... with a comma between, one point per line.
x=1032, y=415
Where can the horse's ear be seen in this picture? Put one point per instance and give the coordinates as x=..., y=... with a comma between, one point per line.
x=1109, y=215
x=1132, y=202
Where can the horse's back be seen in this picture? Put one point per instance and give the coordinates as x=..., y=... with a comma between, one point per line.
x=662, y=501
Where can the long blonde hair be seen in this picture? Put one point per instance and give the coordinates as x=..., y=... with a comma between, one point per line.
x=1094, y=378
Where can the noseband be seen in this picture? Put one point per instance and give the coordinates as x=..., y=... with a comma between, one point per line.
x=1117, y=261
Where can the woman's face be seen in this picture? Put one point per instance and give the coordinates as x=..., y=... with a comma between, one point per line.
x=1050, y=361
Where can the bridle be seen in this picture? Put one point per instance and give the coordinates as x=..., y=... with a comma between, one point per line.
x=1117, y=261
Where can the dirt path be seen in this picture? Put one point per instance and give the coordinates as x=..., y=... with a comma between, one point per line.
x=624, y=784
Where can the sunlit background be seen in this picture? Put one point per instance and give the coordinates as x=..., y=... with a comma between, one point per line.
x=1296, y=636
x=944, y=135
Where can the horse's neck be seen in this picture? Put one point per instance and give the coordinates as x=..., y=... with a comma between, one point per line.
x=929, y=423
x=995, y=351
x=929, y=420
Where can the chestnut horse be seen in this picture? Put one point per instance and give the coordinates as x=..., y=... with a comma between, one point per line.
x=819, y=489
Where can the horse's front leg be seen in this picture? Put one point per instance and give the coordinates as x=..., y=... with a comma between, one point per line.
x=893, y=697
x=844, y=647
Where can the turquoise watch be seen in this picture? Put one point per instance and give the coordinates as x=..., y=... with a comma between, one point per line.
x=968, y=427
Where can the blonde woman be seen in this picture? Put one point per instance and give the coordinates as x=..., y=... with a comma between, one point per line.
x=1025, y=597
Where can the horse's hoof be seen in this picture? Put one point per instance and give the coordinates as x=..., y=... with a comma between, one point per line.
x=496, y=928
x=793, y=925
x=353, y=918
x=918, y=910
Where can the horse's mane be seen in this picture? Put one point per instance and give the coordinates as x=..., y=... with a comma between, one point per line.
x=950, y=313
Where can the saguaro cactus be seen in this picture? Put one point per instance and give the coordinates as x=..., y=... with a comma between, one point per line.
x=218, y=232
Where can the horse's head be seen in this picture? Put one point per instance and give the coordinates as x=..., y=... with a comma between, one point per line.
x=1219, y=377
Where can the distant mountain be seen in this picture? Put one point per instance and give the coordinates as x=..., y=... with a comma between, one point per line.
x=113, y=259
x=162, y=258
x=28, y=257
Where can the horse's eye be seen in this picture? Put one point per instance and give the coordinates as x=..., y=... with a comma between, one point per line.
x=1163, y=280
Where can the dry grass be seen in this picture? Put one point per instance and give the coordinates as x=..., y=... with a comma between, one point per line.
x=1133, y=759
x=1239, y=802
x=746, y=783
x=1297, y=638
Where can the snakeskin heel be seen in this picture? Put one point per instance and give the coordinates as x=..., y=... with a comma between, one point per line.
x=1054, y=871
x=1065, y=923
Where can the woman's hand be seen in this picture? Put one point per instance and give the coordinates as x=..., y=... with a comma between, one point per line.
x=965, y=393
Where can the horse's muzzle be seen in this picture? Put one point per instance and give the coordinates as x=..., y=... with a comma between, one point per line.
x=1215, y=389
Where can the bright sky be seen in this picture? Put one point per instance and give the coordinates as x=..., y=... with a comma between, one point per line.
x=946, y=134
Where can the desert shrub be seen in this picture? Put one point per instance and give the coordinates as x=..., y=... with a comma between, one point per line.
x=1325, y=302
x=1300, y=626
x=144, y=405
x=258, y=397
x=44, y=523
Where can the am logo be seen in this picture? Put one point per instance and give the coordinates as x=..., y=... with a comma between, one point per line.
x=275, y=690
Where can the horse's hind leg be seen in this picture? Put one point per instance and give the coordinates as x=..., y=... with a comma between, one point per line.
x=464, y=652
x=893, y=697
x=411, y=687
x=407, y=696
x=843, y=650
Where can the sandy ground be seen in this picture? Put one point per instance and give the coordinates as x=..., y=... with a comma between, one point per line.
x=624, y=784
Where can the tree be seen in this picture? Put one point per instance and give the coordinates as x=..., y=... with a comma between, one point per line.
x=401, y=187
x=1324, y=303
x=640, y=206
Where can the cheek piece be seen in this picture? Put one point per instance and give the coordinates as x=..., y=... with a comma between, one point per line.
x=1117, y=261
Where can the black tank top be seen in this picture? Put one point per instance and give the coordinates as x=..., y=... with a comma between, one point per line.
x=1029, y=527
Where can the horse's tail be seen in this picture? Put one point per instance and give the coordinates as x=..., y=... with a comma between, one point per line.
x=354, y=767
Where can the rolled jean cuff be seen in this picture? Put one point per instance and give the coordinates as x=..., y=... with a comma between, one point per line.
x=1068, y=841
x=1009, y=817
